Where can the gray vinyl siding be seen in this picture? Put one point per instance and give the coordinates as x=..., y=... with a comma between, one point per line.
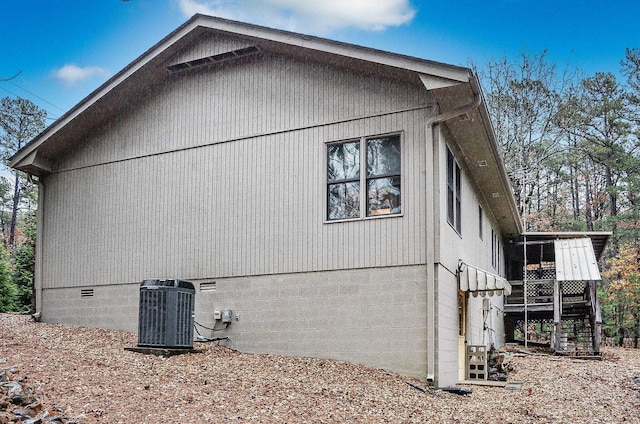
x=246, y=99
x=222, y=174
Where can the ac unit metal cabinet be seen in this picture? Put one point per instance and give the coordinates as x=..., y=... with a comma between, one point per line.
x=165, y=317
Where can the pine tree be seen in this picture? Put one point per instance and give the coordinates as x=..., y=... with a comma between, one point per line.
x=8, y=290
x=23, y=261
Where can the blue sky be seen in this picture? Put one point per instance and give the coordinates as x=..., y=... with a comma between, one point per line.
x=61, y=50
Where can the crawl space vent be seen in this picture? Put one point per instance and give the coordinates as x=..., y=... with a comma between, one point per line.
x=208, y=286
x=86, y=293
x=210, y=60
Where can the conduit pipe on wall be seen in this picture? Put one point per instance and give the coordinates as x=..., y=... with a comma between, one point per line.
x=433, y=256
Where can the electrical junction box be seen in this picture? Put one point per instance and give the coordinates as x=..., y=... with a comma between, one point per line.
x=217, y=315
x=226, y=315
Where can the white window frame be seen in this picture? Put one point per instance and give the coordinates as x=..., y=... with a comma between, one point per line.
x=454, y=192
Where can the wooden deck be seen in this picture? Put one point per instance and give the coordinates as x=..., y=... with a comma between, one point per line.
x=565, y=313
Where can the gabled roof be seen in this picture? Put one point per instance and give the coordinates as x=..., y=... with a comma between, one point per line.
x=451, y=86
x=150, y=69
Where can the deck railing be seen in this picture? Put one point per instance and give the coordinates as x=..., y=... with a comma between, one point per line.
x=542, y=292
x=539, y=292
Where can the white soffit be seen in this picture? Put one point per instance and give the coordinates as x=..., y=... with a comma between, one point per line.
x=576, y=260
x=477, y=281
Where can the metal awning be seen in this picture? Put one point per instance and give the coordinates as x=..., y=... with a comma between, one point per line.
x=576, y=260
x=480, y=282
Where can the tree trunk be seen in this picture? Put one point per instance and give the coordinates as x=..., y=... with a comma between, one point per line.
x=588, y=207
x=637, y=337
x=14, y=211
x=619, y=321
x=575, y=192
x=613, y=197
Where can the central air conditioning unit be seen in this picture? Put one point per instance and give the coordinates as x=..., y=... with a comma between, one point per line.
x=165, y=317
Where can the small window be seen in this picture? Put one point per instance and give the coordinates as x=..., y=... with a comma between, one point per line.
x=480, y=219
x=495, y=250
x=454, y=189
x=352, y=193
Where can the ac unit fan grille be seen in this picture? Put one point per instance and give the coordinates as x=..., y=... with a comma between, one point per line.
x=166, y=316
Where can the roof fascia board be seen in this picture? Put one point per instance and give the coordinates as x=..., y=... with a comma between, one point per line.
x=442, y=70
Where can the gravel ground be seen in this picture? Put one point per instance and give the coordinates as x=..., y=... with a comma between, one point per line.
x=86, y=374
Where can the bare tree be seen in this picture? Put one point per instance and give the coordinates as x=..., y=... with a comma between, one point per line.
x=523, y=99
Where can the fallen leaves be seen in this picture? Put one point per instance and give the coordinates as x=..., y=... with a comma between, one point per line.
x=86, y=374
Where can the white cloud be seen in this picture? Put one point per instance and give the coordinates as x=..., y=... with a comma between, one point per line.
x=191, y=7
x=307, y=16
x=71, y=74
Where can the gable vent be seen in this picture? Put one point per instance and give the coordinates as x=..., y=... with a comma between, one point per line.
x=86, y=293
x=222, y=57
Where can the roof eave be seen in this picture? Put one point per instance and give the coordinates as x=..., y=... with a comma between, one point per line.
x=468, y=119
x=505, y=185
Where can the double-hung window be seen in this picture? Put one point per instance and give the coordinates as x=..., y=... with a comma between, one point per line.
x=480, y=222
x=363, y=178
x=496, y=247
x=454, y=215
